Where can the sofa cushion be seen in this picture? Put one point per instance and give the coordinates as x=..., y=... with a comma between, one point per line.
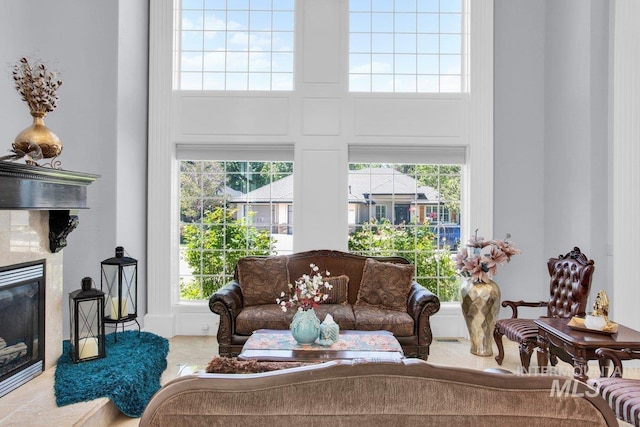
x=272, y=317
x=339, y=291
x=265, y=316
x=262, y=279
x=369, y=318
x=385, y=285
x=342, y=314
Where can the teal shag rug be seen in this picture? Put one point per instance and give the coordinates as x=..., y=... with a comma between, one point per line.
x=129, y=374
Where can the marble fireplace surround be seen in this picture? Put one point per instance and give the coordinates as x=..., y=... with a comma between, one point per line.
x=24, y=237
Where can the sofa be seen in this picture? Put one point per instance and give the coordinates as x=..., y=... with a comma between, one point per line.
x=369, y=293
x=348, y=393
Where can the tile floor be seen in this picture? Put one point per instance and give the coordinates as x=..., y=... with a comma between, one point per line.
x=34, y=405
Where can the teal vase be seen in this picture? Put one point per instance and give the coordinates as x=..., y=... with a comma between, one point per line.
x=305, y=326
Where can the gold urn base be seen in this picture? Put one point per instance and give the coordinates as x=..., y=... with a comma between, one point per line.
x=39, y=134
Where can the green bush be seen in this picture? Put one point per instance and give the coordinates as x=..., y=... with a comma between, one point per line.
x=434, y=268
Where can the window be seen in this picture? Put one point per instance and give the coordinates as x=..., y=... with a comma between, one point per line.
x=236, y=45
x=406, y=46
x=423, y=202
x=228, y=210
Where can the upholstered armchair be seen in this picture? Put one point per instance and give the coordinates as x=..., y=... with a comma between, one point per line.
x=622, y=394
x=569, y=286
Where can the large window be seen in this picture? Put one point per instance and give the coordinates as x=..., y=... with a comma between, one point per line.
x=235, y=45
x=421, y=221
x=406, y=46
x=230, y=209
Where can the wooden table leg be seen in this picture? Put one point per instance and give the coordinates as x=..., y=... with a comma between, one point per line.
x=580, y=369
x=542, y=353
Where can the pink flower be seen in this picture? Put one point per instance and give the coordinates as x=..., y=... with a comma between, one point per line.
x=482, y=265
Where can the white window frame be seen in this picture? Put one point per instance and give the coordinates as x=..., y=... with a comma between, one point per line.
x=225, y=70
x=316, y=144
x=396, y=51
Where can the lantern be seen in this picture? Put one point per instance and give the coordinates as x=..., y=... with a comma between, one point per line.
x=120, y=284
x=86, y=306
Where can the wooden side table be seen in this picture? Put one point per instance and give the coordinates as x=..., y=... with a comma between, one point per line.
x=578, y=347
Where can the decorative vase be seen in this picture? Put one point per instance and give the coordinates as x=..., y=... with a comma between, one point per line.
x=40, y=134
x=305, y=326
x=480, y=306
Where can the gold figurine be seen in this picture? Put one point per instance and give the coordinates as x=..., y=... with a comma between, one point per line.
x=601, y=306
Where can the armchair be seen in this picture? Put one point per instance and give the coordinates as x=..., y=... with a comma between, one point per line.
x=569, y=286
x=622, y=394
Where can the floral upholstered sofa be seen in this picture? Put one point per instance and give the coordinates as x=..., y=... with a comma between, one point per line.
x=376, y=293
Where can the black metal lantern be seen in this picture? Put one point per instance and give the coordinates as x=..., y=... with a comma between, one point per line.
x=120, y=284
x=86, y=306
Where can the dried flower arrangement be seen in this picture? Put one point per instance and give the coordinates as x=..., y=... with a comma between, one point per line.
x=482, y=257
x=307, y=292
x=37, y=86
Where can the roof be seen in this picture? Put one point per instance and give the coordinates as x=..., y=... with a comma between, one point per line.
x=364, y=186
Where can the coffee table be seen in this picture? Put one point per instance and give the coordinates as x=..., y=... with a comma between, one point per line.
x=279, y=346
x=577, y=346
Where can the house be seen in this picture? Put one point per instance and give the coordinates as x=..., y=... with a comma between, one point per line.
x=370, y=197
x=556, y=167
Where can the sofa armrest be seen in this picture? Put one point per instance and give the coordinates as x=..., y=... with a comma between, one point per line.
x=420, y=298
x=616, y=357
x=227, y=302
x=422, y=304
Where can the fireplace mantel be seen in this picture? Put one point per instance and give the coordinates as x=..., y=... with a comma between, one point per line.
x=25, y=187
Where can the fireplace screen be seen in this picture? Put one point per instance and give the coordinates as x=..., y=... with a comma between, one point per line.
x=21, y=324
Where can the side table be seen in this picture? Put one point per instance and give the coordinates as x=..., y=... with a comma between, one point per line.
x=578, y=347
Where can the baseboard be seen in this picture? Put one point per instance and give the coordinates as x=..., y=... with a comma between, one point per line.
x=203, y=323
x=162, y=325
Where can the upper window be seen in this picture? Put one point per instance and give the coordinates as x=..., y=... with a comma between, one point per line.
x=406, y=46
x=235, y=45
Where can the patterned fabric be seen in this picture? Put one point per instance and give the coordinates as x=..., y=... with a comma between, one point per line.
x=385, y=285
x=623, y=395
x=272, y=317
x=352, y=342
x=340, y=290
x=370, y=318
x=263, y=317
x=342, y=314
x=262, y=279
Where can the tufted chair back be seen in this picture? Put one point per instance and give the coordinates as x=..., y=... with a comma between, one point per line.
x=570, y=284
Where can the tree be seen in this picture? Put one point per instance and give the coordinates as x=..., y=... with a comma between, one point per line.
x=215, y=246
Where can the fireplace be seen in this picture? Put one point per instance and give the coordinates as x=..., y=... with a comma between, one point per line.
x=38, y=209
x=22, y=311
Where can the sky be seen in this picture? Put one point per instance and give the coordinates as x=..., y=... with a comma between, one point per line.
x=394, y=46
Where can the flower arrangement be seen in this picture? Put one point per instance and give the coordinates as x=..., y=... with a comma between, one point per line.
x=37, y=86
x=307, y=292
x=481, y=259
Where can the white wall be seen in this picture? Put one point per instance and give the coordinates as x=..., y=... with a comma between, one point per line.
x=551, y=147
x=101, y=115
